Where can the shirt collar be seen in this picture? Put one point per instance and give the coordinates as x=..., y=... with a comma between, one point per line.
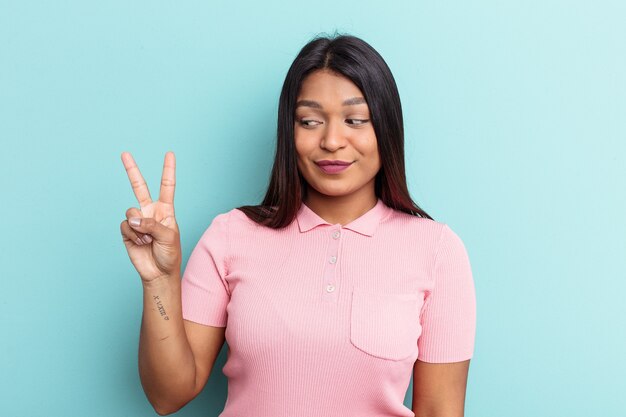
x=366, y=224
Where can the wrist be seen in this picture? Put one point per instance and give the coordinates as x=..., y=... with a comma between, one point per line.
x=162, y=282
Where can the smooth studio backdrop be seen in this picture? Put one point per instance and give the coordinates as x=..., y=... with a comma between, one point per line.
x=515, y=136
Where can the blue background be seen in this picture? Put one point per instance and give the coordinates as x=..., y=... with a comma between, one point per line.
x=515, y=136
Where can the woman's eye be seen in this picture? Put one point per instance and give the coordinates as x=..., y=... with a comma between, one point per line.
x=307, y=122
x=311, y=123
x=357, y=122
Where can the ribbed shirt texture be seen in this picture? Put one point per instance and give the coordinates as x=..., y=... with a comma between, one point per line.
x=325, y=320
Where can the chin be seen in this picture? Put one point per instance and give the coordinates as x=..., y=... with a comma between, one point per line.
x=331, y=192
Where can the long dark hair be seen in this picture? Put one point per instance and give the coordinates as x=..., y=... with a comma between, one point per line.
x=362, y=64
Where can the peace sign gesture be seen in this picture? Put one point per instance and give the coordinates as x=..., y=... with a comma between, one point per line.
x=150, y=232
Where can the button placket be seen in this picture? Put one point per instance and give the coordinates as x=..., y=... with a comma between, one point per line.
x=330, y=266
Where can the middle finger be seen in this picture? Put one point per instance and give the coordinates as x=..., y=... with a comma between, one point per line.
x=140, y=188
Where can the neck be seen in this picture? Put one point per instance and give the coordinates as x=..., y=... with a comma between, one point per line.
x=340, y=209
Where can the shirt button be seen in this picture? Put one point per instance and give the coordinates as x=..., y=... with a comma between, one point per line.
x=336, y=234
x=330, y=288
x=333, y=259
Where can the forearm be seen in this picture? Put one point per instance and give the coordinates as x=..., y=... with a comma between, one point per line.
x=166, y=362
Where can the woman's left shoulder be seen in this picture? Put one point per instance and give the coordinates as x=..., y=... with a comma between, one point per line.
x=402, y=219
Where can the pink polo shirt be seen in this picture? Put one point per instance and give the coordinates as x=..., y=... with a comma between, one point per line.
x=325, y=320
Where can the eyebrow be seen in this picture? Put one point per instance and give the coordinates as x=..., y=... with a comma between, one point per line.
x=349, y=102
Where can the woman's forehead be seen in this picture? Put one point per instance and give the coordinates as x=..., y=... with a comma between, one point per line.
x=322, y=89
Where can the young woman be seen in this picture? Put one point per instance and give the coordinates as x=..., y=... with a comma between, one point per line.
x=334, y=289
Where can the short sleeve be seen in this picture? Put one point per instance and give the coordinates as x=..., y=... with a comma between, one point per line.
x=448, y=317
x=204, y=289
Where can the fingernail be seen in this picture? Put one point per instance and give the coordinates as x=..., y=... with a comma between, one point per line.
x=134, y=221
x=138, y=241
x=147, y=238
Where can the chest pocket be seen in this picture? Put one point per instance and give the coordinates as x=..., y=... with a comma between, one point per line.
x=385, y=325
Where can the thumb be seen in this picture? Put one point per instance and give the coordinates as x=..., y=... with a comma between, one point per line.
x=150, y=226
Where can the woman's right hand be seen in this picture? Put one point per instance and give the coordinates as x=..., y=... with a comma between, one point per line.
x=154, y=245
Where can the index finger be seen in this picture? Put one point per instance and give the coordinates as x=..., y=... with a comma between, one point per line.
x=140, y=188
x=168, y=179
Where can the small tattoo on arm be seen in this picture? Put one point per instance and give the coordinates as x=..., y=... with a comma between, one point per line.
x=160, y=307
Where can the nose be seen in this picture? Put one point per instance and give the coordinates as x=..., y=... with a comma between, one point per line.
x=333, y=137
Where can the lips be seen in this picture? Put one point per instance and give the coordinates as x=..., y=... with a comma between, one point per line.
x=326, y=162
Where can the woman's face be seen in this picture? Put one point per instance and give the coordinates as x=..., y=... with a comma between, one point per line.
x=332, y=122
